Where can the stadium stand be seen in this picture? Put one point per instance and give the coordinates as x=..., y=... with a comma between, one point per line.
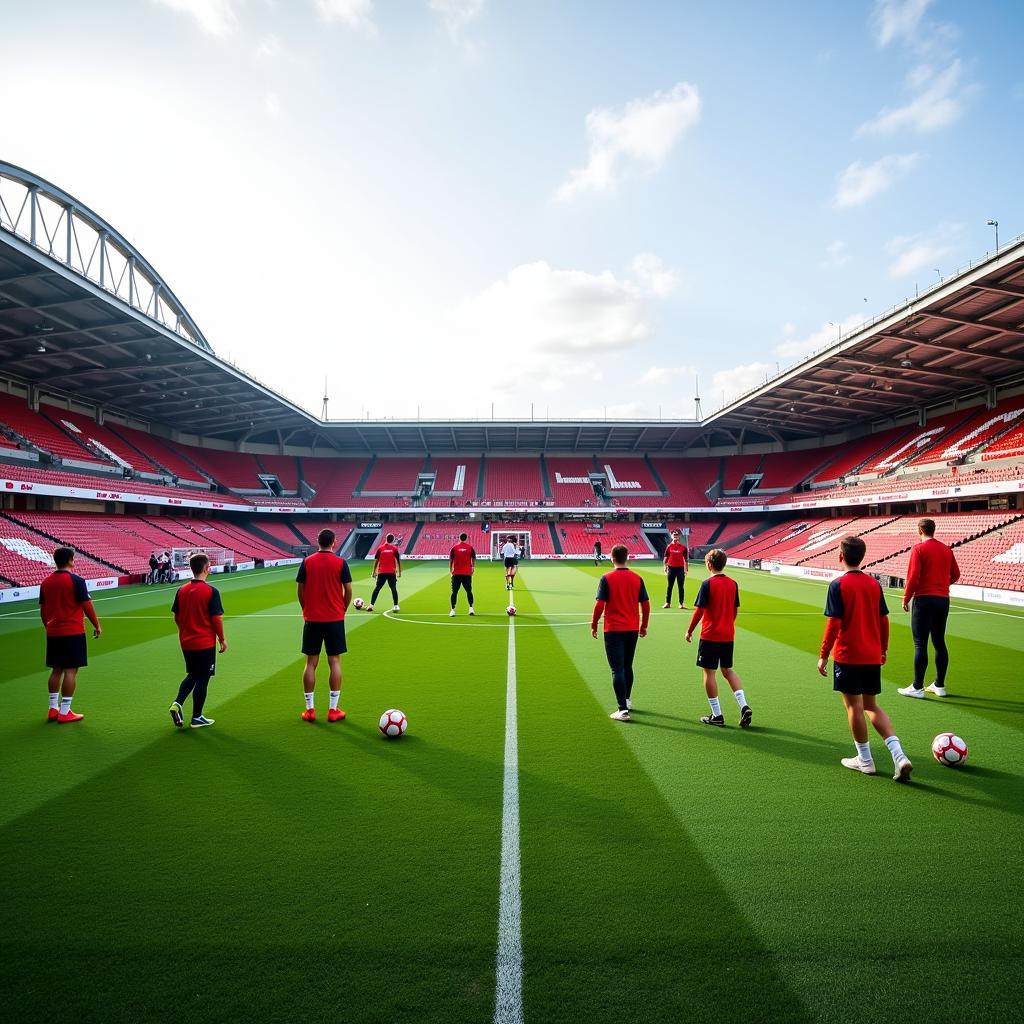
x=994, y=560
x=309, y=527
x=569, y=480
x=217, y=533
x=237, y=471
x=1010, y=445
x=985, y=426
x=334, y=480
x=438, y=538
x=701, y=531
x=279, y=529
x=578, y=539
x=102, y=442
x=160, y=453
x=910, y=445
x=26, y=556
x=448, y=472
x=626, y=475
x=737, y=467
x=284, y=467
x=392, y=476
x=41, y=432
x=515, y=480
x=403, y=531
x=687, y=480
x=788, y=469
x=850, y=457
x=109, y=482
x=540, y=535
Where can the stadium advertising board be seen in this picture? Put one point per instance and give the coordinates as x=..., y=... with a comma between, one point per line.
x=740, y=563
x=120, y=494
x=19, y=594
x=103, y=583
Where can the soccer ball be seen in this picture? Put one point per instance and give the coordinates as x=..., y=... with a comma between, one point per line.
x=358, y=602
x=511, y=610
x=393, y=724
x=949, y=749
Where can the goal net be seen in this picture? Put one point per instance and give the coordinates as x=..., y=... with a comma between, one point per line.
x=521, y=539
x=219, y=557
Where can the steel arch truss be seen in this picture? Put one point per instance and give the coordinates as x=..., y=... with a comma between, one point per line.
x=66, y=230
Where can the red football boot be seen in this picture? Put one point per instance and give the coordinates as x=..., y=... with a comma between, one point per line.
x=335, y=715
x=52, y=715
x=309, y=715
x=71, y=716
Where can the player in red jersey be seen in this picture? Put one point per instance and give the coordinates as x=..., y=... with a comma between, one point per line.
x=199, y=616
x=622, y=599
x=64, y=605
x=461, y=563
x=931, y=572
x=716, y=608
x=676, y=558
x=324, y=584
x=387, y=568
x=858, y=631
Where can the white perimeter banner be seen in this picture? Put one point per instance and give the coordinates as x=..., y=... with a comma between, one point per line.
x=18, y=594
x=147, y=498
x=739, y=563
x=102, y=583
x=270, y=562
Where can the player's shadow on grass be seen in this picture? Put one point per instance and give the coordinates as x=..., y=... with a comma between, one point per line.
x=1015, y=707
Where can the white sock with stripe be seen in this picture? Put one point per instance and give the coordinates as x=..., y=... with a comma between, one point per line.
x=309, y=702
x=335, y=694
x=54, y=701
x=863, y=750
x=65, y=705
x=716, y=706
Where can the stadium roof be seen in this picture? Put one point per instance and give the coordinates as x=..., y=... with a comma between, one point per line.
x=84, y=315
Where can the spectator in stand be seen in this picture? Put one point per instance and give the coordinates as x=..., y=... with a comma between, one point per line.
x=931, y=571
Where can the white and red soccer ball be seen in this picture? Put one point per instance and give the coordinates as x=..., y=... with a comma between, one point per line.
x=949, y=749
x=510, y=610
x=358, y=602
x=393, y=724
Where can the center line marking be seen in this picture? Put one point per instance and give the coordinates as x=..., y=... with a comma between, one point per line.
x=508, y=1002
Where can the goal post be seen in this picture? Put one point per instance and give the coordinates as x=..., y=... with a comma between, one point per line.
x=521, y=538
x=220, y=558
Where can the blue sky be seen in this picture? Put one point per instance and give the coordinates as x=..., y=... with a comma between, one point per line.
x=582, y=206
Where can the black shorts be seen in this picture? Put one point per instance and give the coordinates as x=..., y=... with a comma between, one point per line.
x=201, y=663
x=857, y=680
x=509, y=563
x=66, y=651
x=328, y=635
x=715, y=653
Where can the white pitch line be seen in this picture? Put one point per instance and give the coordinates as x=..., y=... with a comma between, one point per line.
x=508, y=1001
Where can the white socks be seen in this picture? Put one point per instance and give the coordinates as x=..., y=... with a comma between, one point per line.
x=893, y=743
x=864, y=751
x=309, y=702
x=716, y=706
x=741, y=700
x=54, y=701
x=335, y=694
x=65, y=705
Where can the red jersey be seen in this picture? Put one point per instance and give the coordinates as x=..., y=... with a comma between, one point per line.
x=324, y=574
x=198, y=613
x=858, y=620
x=716, y=608
x=387, y=558
x=621, y=595
x=932, y=569
x=64, y=600
x=676, y=556
x=461, y=558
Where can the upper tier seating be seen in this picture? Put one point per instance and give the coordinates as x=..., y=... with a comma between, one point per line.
x=787, y=469
x=1010, y=445
x=449, y=472
x=849, y=456
x=160, y=453
x=687, y=480
x=513, y=479
x=974, y=433
x=626, y=475
x=41, y=432
x=574, y=489
x=237, y=471
x=87, y=430
x=911, y=444
x=334, y=480
x=737, y=467
x=284, y=467
x=393, y=476
x=111, y=482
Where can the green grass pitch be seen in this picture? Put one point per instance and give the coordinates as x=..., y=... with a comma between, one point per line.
x=269, y=870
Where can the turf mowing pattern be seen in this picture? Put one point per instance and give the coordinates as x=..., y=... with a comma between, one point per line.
x=267, y=869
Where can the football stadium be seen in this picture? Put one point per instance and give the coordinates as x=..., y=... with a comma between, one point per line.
x=459, y=736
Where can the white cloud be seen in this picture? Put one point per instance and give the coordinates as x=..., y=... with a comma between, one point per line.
x=894, y=20
x=268, y=47
x=666, y=374
x=272, y=104
x=355, y=14
x=217, y=17
x=455, y=15
x=653, y=275
x=861, y=182
x=729, y=384
x=911, y=253
x=637, y=137
x=836, y=255
x=828, y=334
x=939, y=101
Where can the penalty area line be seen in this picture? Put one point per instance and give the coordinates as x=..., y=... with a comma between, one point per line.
x=508, y=999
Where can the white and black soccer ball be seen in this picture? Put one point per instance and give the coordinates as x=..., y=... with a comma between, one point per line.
x=393, y=724
x=949, y=749
x=510, y=610
x=358, y=602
